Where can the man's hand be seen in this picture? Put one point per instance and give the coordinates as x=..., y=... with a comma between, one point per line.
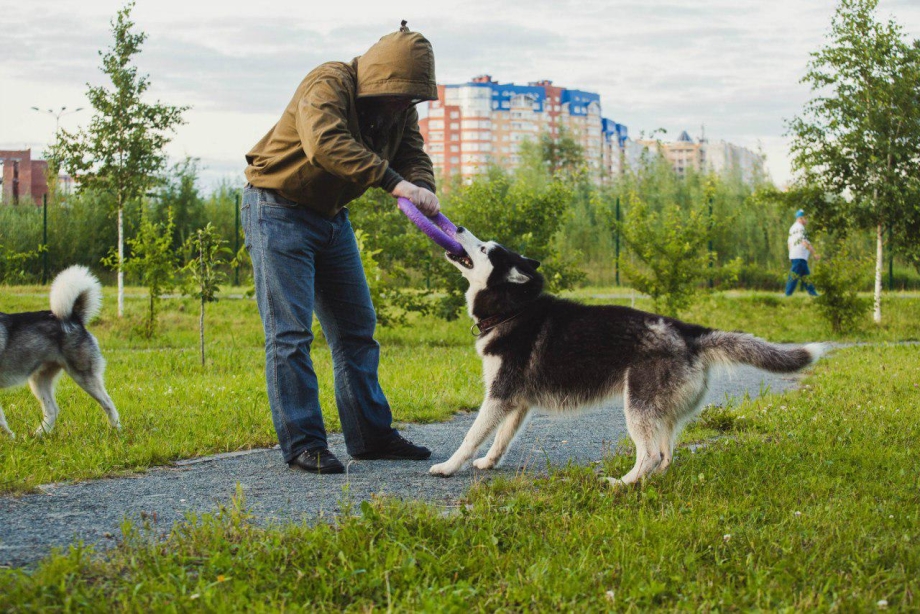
x=425, y=200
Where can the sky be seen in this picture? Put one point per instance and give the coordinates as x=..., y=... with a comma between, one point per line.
x=729, y=67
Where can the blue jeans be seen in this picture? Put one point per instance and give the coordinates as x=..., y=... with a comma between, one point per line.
x=799, y=272
x=302, y=261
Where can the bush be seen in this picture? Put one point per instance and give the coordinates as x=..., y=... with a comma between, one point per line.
x=842, y=273
x=669, y=258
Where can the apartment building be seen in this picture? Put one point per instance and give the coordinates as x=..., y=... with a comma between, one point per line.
x=22, y=177
x=483, y=122
x=703, y=155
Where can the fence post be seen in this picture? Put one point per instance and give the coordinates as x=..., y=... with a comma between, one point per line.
x=890, y=263
x=710, y=242
x=617, y=261
x=44, y=239
x=236, y=239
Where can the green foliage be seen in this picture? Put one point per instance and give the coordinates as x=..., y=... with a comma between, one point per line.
x=17, y=267
x=152, y=262
x=669, y=253
x=553, y=156
x=205, y=253
x=179, y=198
x=401, y=257
x=842, y=272
x=122, y=150
x=860, y=134
x=384, y=294
x=520, y=216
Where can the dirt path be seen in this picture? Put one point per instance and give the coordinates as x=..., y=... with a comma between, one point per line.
x=92, y=511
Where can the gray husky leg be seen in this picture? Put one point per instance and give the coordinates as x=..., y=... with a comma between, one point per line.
x=695, y=392
x=42, y=383
x=93, y=386
x=503, y=438
x=645, y=430
x=490, y=416
x=4, y=426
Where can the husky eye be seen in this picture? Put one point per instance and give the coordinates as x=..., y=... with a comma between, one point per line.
x=483, y=249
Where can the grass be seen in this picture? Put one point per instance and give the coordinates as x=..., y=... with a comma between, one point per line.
x=807, y=501
x=173, y=408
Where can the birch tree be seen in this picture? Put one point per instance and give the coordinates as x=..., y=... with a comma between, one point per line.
x=859, y=136
x=122, y=150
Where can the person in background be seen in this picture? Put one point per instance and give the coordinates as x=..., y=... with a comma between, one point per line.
x=799, y=250
x=349, y=127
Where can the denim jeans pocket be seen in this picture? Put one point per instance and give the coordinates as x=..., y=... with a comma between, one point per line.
x=271, y=198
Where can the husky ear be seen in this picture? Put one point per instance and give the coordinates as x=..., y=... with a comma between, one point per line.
x=515, y=276
x=534, y=263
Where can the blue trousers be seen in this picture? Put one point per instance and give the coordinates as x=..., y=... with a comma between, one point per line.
x=304, y=262
x=798, y=273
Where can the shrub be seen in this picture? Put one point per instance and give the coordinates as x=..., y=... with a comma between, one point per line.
x=841, y=274
x=669, y=258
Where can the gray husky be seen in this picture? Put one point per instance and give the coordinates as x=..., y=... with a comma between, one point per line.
x=541, y=351
x=36, y=346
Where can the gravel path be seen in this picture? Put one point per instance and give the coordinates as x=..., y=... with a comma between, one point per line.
x=31, y=525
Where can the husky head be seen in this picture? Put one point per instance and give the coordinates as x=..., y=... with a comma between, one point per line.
x=500, y=279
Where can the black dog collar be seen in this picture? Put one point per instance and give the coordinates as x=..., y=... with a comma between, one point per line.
x=486, y=324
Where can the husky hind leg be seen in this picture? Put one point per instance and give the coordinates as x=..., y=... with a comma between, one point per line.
x=42, y=383
x=94, y=387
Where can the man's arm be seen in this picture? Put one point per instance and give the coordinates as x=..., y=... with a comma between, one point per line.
x=327, y=142
x=410, y=160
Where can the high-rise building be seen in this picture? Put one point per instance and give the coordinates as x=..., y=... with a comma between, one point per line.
x=719, y=157
x=483, y=122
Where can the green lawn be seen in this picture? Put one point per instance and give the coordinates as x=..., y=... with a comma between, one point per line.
x=805, y=501
x=173, y=408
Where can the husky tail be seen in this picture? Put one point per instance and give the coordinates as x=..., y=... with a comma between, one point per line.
x=76, y=295
x=718, y=347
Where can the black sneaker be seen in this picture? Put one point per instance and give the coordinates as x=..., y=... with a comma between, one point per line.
x=317, y=461
x=397, y=448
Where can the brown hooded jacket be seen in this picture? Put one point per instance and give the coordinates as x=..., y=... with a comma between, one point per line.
x=316, y=156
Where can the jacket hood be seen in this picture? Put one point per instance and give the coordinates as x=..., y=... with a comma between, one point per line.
x=399, y=64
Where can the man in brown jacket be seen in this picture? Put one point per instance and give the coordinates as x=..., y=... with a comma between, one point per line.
x=349, y=127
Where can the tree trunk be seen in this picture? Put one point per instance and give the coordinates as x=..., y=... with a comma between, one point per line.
x=877, y=314
x=201, y=330
x=121, y=261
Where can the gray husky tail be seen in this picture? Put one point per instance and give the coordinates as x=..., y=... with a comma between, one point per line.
x=76, y=295
x=719, y=347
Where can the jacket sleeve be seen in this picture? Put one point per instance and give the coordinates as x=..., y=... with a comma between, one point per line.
x=410, y=160
x=326, y=140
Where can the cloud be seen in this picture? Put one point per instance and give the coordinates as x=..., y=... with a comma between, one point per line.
x=733, y=66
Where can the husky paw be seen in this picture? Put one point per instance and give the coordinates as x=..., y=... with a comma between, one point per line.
x=483, y=463
x=442, y=469
x=614, y=482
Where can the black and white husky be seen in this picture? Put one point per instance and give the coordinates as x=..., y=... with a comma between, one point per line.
x=36, y=346
x=541, y=351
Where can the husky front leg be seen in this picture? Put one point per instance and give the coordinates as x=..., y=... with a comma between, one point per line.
x=490, y=416
x=4, y=426
x=503, y=438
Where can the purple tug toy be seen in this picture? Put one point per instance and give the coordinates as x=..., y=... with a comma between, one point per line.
x=440, y=229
